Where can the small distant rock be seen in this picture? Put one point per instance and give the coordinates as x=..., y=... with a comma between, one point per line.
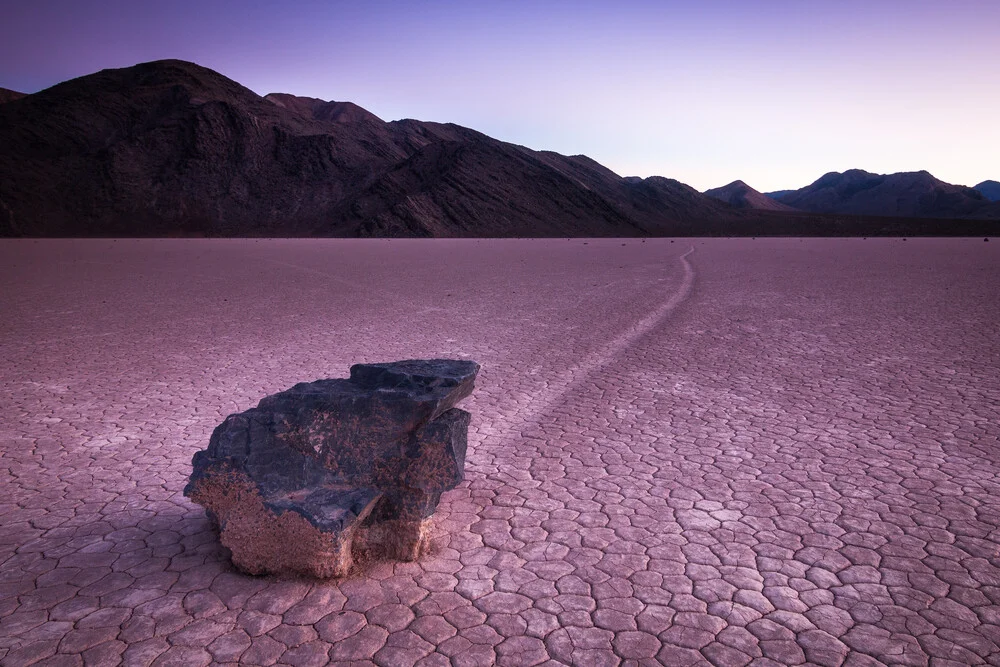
x=333, y=470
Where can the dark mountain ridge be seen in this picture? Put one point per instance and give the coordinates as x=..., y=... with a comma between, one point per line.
x=171, y=147
x=907, y=194
x=151, y=148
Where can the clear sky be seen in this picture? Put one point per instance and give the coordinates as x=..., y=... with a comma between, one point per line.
x=774, y=92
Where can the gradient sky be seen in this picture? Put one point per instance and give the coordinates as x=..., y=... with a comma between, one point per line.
x=774, y=92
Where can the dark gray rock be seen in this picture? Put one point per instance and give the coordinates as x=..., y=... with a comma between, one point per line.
x=328, y=471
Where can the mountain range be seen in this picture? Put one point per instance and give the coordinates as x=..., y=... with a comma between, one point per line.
x=909, y=194
x=857, y=192
x=172, y=148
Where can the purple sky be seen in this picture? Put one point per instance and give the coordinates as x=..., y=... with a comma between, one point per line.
x=775, y=92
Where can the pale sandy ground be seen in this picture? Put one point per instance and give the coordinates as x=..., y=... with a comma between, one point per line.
x=769, y=451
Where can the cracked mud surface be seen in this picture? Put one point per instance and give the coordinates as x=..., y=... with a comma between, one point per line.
x=762, y=452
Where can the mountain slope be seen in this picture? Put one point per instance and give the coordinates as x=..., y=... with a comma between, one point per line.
x=989, y=189
x=7, y=95
x=908, y=194
x=778, y=194
x=170, y=147
x=740, y=195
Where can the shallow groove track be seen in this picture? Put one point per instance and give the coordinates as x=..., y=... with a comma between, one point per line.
x=557, y=386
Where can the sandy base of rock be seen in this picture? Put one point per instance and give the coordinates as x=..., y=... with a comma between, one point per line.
x=263, y=542
x=392, y=540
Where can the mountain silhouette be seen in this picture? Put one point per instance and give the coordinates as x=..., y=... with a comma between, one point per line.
x=740, y=195
x=907, y=194
x=989, y=189
x=170, y=147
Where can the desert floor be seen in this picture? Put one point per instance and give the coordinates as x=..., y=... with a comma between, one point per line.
x=770, y=451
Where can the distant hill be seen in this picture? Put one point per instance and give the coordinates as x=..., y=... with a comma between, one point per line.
x=989, y=189
x=909, y=194
x=7, y=95
x=740, y=195
x=170, y=147
x=778, y=194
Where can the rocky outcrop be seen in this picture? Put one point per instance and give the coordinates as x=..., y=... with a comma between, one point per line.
x=330, y=471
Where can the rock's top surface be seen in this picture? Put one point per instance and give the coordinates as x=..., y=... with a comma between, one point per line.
x=445, y=378
x=376, y=449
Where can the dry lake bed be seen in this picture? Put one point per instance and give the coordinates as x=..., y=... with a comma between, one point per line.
x=770, y=451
